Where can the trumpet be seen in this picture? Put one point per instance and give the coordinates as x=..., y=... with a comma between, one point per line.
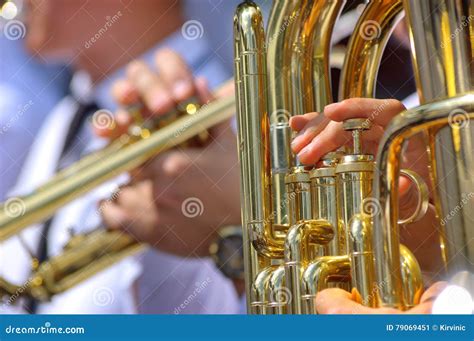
x=87, y=254
x=336, y=223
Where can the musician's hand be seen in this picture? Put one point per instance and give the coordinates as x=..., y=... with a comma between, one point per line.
x=132, y=209
x=338, y=301
x=318, y=134
x=322, y=133
x=158, y=90
x=195, y=191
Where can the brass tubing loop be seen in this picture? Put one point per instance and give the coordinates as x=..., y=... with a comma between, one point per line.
x=336, y=223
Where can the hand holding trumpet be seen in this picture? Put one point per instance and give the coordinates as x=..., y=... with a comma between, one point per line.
x=165, y=205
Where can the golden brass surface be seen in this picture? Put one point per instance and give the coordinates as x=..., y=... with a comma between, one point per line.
x=366, y=47
x=319, y=274
x=349, y=201
x=271, y=205
x=442, y=58
x=421, y=119
x=83, y=256
x=260, y=243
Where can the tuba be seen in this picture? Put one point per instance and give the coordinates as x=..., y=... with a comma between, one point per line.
x=336, y=224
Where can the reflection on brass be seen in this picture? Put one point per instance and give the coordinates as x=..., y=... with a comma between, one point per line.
x=275, y=189
x=336, y=223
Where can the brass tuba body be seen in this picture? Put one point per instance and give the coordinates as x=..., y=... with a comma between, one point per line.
x=337, y=223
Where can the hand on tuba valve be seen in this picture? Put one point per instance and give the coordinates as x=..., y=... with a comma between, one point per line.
x=313, y=141
x=311, y=144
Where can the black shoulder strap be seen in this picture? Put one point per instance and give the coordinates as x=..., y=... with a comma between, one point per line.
x=83, y=112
